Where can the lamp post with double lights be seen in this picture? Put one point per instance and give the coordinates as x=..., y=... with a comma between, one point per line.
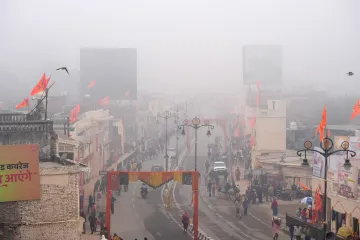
x=326, y=146
x=177, y=109
x=166, y=115
x=196, y=124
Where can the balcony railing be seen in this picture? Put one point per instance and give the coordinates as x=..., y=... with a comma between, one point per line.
x=13, y=117
x=26, y=126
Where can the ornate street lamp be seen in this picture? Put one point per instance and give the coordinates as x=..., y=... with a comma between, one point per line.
x=196, y=125
x=327, y=146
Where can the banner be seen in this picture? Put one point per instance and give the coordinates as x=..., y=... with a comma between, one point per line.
x=348, y=180
x=338, y=140
x=19, y=173
x=355, y=145
x=318, y=164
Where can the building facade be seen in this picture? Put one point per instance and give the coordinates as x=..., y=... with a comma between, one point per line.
x=56, y=214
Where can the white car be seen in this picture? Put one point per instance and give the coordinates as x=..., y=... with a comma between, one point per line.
x=220, y=167
x=171, y=152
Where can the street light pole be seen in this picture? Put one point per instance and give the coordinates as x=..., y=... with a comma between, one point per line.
x=177, y=110
x=166, y=115
x=196, y=125
x=327, y=146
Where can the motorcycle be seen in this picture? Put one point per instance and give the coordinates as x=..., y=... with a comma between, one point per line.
x=143, y=192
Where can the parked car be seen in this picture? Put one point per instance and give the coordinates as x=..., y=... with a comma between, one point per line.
x=172, y=152
x=220, y=167
x=157, y=168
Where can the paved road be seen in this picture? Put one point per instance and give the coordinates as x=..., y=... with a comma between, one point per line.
x=216, y=216
x=136, y=217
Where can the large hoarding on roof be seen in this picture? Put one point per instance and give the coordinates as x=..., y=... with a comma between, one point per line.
x=109, y=72
x=262, y=63
x=19, y=173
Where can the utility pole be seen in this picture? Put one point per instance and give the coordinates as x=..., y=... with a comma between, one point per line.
x=166, y=115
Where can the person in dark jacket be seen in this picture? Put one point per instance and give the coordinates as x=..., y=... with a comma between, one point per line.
x=185, y=222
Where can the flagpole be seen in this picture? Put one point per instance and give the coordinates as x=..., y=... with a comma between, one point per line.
x=46, y=102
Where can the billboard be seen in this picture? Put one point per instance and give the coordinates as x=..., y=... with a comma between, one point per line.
x=338, y=140
x=348, y=180
x=19, y=173
x=114, y=71
x=262, y=63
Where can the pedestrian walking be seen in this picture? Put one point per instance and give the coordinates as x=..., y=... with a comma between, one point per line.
x=297, y=232
x=237, y=208
x=291, y=231
x=91, y=202
x=274, y=207
x=209, y=187
x=276, y=222
x=185, y=222
x=245, y=205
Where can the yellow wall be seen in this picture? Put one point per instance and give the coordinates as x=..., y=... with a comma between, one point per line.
x=271, y=128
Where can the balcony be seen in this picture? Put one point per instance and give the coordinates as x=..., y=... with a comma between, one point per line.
x=17, y=129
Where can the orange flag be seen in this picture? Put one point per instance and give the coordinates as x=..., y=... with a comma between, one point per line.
x=40, y=86
x=127, y=93
x=104, y=101
x=253, y=121
x=75, y=113
x=252, y=142
x=356, y=110
x=258, y=94
x=237, y=132
x=24, y=103
x=92, y=84
x=321, y=128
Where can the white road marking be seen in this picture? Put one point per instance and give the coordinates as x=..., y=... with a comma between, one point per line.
x=133, y=193
x=210, y=206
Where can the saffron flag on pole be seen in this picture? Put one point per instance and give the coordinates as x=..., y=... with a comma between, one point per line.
x=40, y=86
x=127, y=93
x=321, y=128
x=74, y=113
x=24, y=103
x=356, y=110
x=104, y=101
x=92, y=84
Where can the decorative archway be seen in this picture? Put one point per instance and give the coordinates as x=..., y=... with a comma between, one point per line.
x=154, y=180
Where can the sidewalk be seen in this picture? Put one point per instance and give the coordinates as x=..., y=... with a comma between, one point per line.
x=89, y=187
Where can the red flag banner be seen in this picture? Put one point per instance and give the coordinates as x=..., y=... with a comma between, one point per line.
x=74, y=113
x=258, y=94
x=252, y=142
x=253, y=121
x=127, y=93
x=321, y=128
x=92, y=84
x=24, y=103
x=104, y=101
x=40, y=86
x=237, y=132
x=356, y=110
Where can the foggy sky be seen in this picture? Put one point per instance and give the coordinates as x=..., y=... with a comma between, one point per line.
x=187, y=45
